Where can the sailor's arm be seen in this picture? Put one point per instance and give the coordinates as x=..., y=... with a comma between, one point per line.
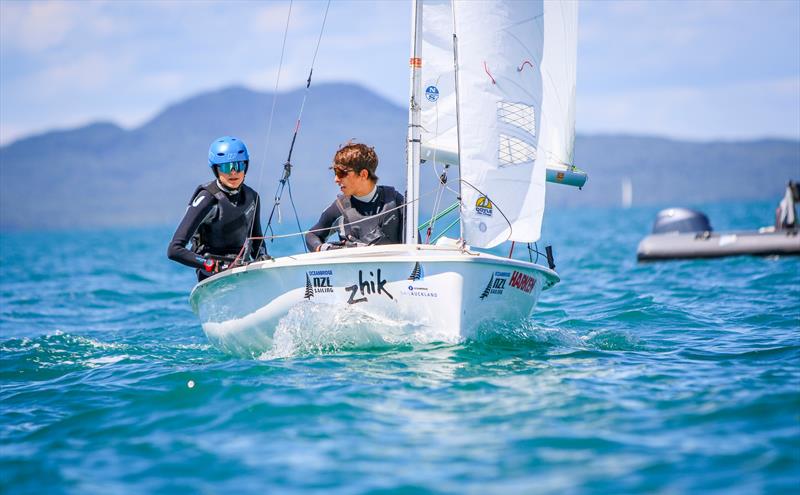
x=196, y=213
x=321, y=229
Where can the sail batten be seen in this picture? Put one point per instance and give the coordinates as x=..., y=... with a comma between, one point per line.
x=516, y=85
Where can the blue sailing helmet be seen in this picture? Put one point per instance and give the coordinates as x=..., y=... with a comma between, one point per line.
x=227, y=149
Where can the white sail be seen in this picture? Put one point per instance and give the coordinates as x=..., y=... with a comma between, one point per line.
x=516, y=91
x=438, y=102
x=557, y=139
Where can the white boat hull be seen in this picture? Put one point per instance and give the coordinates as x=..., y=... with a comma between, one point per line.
x=425, y=292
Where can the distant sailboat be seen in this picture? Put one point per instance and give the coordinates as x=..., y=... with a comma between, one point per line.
x=627, y=192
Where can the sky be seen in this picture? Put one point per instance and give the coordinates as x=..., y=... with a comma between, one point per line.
x=697, y=70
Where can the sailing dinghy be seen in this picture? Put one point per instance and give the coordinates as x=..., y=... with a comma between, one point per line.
x=493, y=96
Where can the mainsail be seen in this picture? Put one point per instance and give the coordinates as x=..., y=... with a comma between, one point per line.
x=506, y=113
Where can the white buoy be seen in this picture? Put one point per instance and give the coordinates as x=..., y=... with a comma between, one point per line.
x=190, y=384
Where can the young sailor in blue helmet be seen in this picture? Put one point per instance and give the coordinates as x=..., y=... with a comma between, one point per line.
x=221, y=214
x=377, y=209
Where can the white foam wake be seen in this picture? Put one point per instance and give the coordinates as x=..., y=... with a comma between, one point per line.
x=314, y=328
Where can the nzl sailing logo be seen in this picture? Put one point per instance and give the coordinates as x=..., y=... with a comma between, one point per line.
x=483, y=206
x=317, y=282
x=496, y=285
x=374, y=284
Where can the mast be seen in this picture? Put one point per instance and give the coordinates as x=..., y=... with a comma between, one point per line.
x=413, y=145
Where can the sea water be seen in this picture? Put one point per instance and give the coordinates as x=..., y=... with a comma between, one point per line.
x=674, y=377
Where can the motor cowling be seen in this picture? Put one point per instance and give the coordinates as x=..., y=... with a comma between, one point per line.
x=681, y=220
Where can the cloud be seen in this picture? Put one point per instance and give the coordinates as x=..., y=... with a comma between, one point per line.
x=164, y=81
x=292, y=75
x=272, y=18
x=85, y=73
x=642, y=43
x=649, y=66
x=69, y=94
x=35, y=26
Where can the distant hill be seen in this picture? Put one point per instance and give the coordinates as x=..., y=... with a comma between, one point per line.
x=102, y=175
x=665, y=172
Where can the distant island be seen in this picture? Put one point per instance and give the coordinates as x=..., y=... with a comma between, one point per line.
x=102, y=175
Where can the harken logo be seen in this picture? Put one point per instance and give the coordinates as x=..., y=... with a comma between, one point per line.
x=483, y=206
x=523, y=282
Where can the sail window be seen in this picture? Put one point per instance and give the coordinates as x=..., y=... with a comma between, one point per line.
x=517, y=114
x=514, y=151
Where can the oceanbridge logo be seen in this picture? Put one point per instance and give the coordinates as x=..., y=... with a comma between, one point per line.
x=417, y=291
x=483, y=206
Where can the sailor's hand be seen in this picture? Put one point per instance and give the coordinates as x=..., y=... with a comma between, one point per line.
x=327, y=246
x=211, y=266
x=352, y=241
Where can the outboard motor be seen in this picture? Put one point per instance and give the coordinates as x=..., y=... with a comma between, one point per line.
x=681, y=221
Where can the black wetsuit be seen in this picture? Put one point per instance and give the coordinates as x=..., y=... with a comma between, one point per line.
x=391, y=223
x=211, y=231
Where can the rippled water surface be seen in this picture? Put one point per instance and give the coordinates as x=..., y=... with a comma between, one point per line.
x=670, y=378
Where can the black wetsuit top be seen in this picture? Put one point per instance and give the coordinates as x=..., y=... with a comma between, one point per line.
x=199, y=212
x=329, y=219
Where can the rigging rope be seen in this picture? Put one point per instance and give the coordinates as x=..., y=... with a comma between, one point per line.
x=269, y=125
x=287, y=166
x=437, y=203
x=275, y=96
x=535, y=249
x=442, y=177
x=326, y=229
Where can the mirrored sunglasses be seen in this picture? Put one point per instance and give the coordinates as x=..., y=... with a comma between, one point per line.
x=228, y=167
